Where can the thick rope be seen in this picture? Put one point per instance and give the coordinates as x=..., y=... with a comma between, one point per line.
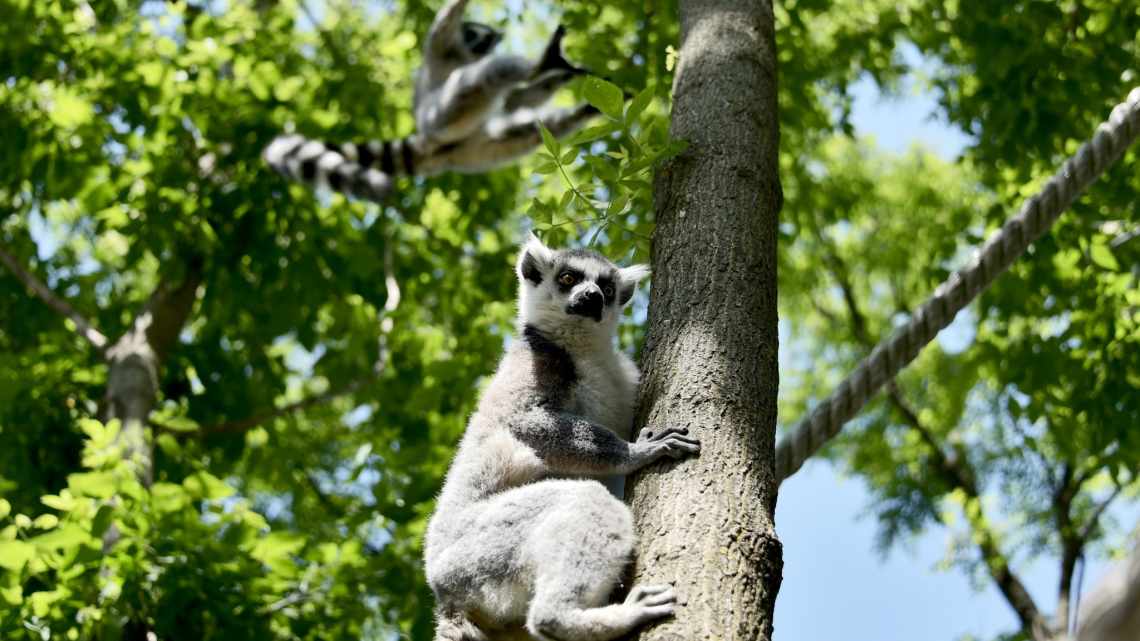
x=1037, y=214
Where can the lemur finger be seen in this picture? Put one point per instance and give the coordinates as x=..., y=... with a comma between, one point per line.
x=668, y=596
x=666, y=432
x=658, y=611
x=683, y=438
x=687, y=444
x=641, y=591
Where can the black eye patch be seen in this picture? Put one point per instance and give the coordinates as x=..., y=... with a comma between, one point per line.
x=479, y=38
x=606, y=283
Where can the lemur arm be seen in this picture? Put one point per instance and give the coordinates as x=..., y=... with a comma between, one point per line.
x=570, y=444
x=444, y=31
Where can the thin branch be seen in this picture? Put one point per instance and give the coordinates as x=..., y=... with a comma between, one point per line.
x=954, y=469
x=1094, y=520
x=83, y=327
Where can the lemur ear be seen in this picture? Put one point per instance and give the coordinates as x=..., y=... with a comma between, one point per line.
x=534, y=258
x=628, y=277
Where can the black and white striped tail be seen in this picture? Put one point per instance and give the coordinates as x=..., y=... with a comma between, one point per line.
x=363, y=170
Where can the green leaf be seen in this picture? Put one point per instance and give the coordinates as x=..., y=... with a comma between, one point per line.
x=277, y=546
x=618, y=205
x=65, y=536
x=1102, y=256
x=546, y=168
x=64, y=502
x=15, y=554
x=152, y=73
x=13, y=595
x=5, y=508
x=99, y=485
x=207, y=486
x=287, y=88
x=570, y=156
x=549, y=141
x=46, y=521
x=69, y=110
x=169, y=497
x=102, y=520
x=590, y=134
x=638, y=104
x=604, y=95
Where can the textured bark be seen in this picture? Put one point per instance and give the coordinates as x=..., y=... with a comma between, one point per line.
x=705, y=524
x=135, y=363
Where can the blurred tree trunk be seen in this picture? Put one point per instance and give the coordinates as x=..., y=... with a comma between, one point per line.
x=705, y=524
x=135, y=363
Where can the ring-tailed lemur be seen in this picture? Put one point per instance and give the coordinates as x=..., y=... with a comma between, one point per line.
x=523, y=537
x=473, y=111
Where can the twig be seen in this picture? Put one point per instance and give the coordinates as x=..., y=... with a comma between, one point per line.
x=954, y=469
x=82, y=326
x=1094, y=520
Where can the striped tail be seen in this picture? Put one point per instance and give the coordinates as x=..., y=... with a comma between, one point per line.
x=363, y=170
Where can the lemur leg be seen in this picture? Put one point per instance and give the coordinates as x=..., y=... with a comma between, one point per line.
x=537, y=92
x=517, y=133
x=460, y=107
x=578, y=553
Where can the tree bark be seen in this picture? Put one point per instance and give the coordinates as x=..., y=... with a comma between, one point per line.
x=135, y=363
x=706, y=524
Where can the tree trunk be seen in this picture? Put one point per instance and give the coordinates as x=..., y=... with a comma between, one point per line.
x=705, y=524
x=135, y=364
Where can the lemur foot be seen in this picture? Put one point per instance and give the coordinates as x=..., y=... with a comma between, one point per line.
x=552, y=58
x=652, y=601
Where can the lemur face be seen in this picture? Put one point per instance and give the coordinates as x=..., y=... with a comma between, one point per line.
x=572, y=288
x=479, y=39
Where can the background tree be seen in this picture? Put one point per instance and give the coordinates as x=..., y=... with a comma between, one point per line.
x=305, y=364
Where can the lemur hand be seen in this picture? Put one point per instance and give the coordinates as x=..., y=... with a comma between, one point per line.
x=674, y=442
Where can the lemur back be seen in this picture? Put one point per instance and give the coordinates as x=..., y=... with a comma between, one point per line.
x=524, y=535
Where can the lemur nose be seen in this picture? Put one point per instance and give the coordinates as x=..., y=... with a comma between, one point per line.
x=593, y=296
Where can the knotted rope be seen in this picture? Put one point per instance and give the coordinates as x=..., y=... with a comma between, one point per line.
x=1037, y=214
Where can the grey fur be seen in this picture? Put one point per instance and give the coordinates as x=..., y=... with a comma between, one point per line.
x=525, y=539
x=474, y=111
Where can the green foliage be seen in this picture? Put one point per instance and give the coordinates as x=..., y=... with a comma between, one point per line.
x=187, y=558
x=132, y=141
x=1032, y=394
x=634, y=142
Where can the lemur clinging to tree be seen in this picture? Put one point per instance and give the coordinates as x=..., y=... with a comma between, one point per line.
x=523, y=536
x=474, y=111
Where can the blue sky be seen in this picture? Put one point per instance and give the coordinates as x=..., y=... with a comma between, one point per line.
x=837, y=587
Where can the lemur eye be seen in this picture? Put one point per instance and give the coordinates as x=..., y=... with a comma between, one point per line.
x=567, y=279
x=608, y=291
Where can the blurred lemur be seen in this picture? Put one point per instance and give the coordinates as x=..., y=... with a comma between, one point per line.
x=474, y=111
x=525, y=539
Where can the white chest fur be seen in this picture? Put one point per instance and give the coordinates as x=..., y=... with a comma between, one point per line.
x=606, y=391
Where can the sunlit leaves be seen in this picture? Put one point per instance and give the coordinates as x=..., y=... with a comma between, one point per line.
x=604, y=95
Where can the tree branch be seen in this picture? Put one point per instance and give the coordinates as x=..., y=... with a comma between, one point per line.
x=1094, y=520
x=82, y=326
x=954, y=469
